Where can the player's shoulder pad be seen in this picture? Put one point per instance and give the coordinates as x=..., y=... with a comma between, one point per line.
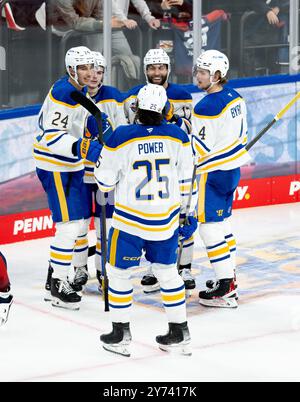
x=133, y=91
x=61, y=92
x=172, y=130
x=178, y=92
x=213, y=105
x=121, y=135
x=108, y=92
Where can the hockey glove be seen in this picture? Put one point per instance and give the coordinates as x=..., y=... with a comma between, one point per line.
x=187, y=229
x=87, y=149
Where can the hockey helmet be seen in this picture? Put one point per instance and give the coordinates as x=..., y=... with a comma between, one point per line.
x=213, y=61
x=99, y=60
x=152, y=97
x=156, y=56
x=78, y=56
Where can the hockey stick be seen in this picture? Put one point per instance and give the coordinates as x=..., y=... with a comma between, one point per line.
x=94, y=111
x=188, y=207
x=276, y=118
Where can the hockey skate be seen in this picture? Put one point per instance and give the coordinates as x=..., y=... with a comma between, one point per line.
x=63, y=295
x=222, y=295
x=178, y=338
x=48, y=297
x=150, y=283
x=210, y=284
x=80, y=278
x=118, y=340
x=188, y=279
x=6, y=300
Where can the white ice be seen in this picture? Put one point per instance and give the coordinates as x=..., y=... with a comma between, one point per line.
x=260, y=341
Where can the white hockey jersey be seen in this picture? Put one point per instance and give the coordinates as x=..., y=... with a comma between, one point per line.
x=62, y=122
x=110, y=101
x=220, y=131
x=150, y=169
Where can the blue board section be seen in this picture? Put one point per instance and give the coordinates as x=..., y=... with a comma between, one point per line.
x=26, y=111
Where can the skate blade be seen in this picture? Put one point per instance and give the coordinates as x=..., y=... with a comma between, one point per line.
x=182, y=349
x=151, y=289
x=117, y=349
x=68, y=306
x=3, y=320
x=220, y=302
x=188, y=293
x=47, y=296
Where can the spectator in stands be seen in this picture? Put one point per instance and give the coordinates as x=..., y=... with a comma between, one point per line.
x=87, y=17
x=270, y=26
x=122, y=51
x=121, y=13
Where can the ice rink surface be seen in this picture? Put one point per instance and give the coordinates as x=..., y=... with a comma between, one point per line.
x=260, y=341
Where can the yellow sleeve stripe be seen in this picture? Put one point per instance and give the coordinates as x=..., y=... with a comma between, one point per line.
x=223, y=161
x=200, y=150
x=130, y=97
x=63, y=103
x=180, y=100
x=110, y=101
x=57, y=163
x=51, y=136
x=162, y=215
x=220, y=114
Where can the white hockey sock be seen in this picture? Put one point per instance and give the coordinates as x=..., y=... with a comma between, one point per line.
x=218, y=252
x=62, y=246
x=81, y=249
x=172, y=291
x=187, y=252
x=229, y=237
x=120, y=293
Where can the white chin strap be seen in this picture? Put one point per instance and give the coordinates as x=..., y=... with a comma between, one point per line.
x=75, y=78
x=212, y=83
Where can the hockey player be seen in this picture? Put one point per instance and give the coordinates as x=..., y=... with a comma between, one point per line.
x=220, y=136
x=110, y=102
x=146, y=163
x=157, y=69
x=6, y=298
x=59, y=151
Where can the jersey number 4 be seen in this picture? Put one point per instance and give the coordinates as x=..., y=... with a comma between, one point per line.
x=161, y=179
x=202, y=133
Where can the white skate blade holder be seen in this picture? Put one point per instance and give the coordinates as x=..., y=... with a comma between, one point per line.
x=47, y=296
x=151, y=289
x=4, y=312
x=188, y=293
x=68, y=306
x=122, y=350
x=221, y=302
x=181, y=348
